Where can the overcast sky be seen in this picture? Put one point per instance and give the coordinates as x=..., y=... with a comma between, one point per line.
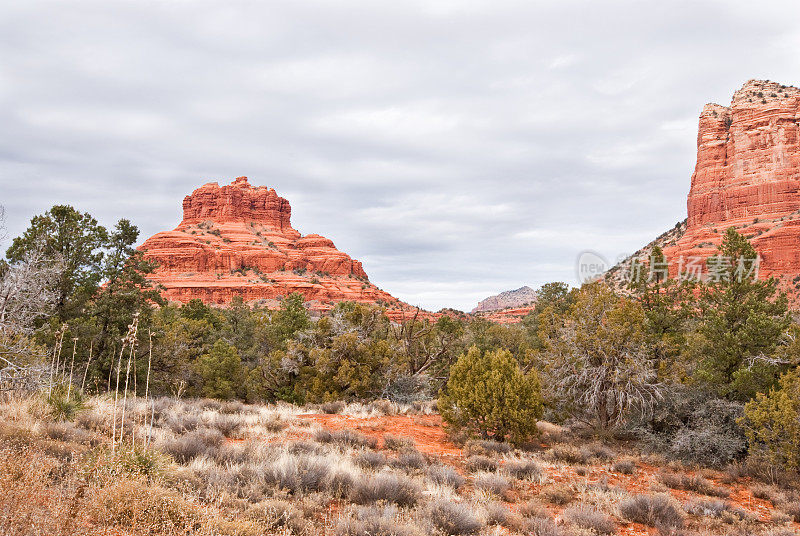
x=456, y=148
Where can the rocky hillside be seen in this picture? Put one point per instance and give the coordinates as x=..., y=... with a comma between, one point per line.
x=747, y=176
x=508, y=299
x=237, y=240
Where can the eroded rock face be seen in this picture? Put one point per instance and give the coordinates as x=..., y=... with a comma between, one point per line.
x=508, y=299
x=747, y=176
x=237, y=240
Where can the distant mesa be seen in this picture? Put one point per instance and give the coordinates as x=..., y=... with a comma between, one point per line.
x=747, y=176
x=238, y=240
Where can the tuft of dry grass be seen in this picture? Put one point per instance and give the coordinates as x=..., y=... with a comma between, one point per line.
x=653, y=510
x=388, y=487
x=453, y=518
x=481, y=463
x=485, y=447
x=524, y=469
x=558, y=494
x=492, y=483
x=445, y=475
x=694, y=483
x=346, y=438
x=588, y=518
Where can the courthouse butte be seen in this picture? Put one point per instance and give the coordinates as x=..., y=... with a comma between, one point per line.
x=747, y=176
x=237, y=240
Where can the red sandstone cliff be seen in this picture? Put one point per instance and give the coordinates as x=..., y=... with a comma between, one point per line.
x=237, y=240
x=747, y=176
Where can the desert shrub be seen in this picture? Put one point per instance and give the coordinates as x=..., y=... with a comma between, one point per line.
x=588, y=518
x=391, y=488
x=696, y=427
x=498, y=514
x=491, y=482
x=332, y=408
x=180, y=423
x=453, y=518
x=757, y=467
x=229, y=425
x=712, y=438
x=792, y=509
x=772, y=422
x=349, y=526
x=653, y=510
x=67, y=431
x=410, y=460
x=544, y=526
x=446, y=476
x=767, y=493
x=63, y=407
x=625, y=467
x=485, y=447
x=597, y=451
x=489, y=396
x=566, y=453
x=370, y=459
x=304, y=474
x=533, y=508
x=394, y=442
x=695, y=483
x=522, y=468
x=481, y=463
x=718, y=509
x=276, y=514
x=140, y=508
x=346, y=438
x=559, y=494
x=136, y=460
x=408, y=388
x=185, y=448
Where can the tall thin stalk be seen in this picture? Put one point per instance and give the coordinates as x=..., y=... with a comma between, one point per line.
x=147, y=384
x=86, y=372
x=116, y=397
x=72, y=365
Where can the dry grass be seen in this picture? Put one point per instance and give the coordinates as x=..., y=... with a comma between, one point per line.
x=231, y=468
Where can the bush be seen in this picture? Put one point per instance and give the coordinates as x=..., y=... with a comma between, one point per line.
x=566, y=453
x=559, y=494
x=481, y=463
x=772, y=422
x=492, y=483
x=370, y=459
x=453, y=518
x=446, y=476
x=653, y=510
x=498, y=514
x=393, y=442
x=588, y=518
x=63, y=408
x=346, y=438
x=189, y=446
x=695, y=483
x=489, y=396
x=410, y=460
x=396, y=489
x=625, y=467
x=523, y=469
x=485, y=447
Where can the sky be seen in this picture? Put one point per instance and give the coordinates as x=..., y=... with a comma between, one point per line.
x=457, y=148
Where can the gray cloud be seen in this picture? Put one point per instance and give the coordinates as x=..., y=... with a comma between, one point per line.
x=457, y=148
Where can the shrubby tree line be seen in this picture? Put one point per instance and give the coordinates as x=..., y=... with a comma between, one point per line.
x=707, y=372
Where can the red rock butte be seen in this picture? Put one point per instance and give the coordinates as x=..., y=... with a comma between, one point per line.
x=237, y=240
x=747, y=176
